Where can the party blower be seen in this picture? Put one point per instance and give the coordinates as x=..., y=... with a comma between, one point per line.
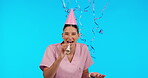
x=68, y=49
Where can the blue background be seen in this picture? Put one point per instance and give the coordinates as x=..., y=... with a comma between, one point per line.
x=27, y=27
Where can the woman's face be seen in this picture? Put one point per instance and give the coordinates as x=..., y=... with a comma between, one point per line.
x=70, y=35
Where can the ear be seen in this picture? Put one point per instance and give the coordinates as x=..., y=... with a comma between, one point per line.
x=62, y=35
x=79, y=35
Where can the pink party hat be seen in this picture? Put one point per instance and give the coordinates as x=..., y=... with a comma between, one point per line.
x=71, y=18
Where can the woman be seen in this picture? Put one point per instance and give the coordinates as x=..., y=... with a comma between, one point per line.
x=57, y=63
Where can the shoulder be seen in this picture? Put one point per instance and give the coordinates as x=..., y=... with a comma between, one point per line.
x=81, y=45
x=53, y=45
x=82, y=48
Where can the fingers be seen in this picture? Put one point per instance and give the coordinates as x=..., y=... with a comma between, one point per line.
x=62, y=50
x=96, y=75
x=63, y=47
x=101, y=76
x=93, y=74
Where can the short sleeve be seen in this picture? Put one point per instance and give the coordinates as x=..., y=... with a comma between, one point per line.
x=89, y=60
x=48, y=58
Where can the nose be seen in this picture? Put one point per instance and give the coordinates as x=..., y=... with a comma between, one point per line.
x=70, y=37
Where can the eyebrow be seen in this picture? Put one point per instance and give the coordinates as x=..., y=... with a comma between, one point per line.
x=70, y=32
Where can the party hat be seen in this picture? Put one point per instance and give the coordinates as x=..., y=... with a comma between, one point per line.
x=71, y=18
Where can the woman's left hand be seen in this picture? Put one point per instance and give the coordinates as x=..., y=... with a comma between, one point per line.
x=96, y=75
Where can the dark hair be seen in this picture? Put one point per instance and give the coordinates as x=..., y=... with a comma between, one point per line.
x=68, y=25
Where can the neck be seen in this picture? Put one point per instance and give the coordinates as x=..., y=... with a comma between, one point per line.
x=72, y=51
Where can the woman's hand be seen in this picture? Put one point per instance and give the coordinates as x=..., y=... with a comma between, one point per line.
x=62, y=50
x=96, y=75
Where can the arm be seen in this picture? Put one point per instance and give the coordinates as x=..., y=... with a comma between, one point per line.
x=85, y=74
x=51, y=71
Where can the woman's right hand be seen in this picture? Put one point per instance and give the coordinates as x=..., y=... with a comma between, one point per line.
x=62, y=50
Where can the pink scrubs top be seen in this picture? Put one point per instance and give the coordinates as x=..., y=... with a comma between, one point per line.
x=74, y=69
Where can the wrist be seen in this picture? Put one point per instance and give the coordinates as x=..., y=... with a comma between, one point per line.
x=60, y=58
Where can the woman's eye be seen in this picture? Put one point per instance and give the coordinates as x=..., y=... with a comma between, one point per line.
x=73, y=33
x=66, y=33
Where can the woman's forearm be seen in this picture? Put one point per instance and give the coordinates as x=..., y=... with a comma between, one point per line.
x=85, y=75
x=50, y=72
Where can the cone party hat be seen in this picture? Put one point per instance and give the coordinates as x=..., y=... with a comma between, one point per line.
x=71, y=18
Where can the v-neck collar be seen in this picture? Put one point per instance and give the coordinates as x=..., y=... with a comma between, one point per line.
x=74, y=56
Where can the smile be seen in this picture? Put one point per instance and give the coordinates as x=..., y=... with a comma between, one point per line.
x=70, y=41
